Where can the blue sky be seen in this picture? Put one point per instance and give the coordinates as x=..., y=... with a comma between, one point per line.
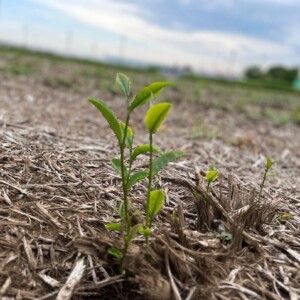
x=217, y=36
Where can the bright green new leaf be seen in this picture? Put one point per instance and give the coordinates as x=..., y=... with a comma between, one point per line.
x=114, y=227
x=156, y=115
x=139, y=175
x=161, y=161
x=145, y=231
x=141, y=97
x=146, y=93
x=269, y=163
x=129, y=135
x=157, y=87
x=115, y=252
x=143, y=149
x=133, y=232
x=116, y=163
x=110, y=117
x=125, y=83
x=212, y=176
x=156, y=202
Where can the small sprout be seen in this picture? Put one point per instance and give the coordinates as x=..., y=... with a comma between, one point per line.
x=210, y=177
x=269, y=164
x=284, y=217
x=225, y=236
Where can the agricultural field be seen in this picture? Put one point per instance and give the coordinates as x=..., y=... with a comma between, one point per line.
x=58, y=188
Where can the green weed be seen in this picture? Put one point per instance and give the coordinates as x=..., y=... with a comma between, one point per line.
x=269, y=164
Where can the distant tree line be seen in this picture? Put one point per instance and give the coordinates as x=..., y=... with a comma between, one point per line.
x=273, y=74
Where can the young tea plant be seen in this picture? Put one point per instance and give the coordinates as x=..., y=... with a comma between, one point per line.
x=269, y=164
x=123, y=165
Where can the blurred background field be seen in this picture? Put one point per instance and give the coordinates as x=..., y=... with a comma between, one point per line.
x=265, y=99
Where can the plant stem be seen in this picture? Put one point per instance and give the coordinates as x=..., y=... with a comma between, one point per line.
x=124, y=180
x=149, y=180
x=124, y=254
x=149, y=189
x=262, y=184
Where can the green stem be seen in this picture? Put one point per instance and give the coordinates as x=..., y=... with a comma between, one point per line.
x=262, y=185
x=130, y=163
x=148, y=225
x=124, y=178
x=149, y=180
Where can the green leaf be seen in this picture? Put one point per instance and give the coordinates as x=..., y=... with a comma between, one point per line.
x=145, y=231
x=226, y=236
x=125, y=83
x=161, y=161
x=156, y=202
x=133, y=232
x=211, y=176
x=156, y=115
x=269, y=163
x=146, y=93
x=115, y=252
x=114, y=227
x=122, y=209
x=157, y=87
x=141, y=97
x=129, y=135
x=110, y=117
x=143, y=149
x=139, y=175
x=116, y=163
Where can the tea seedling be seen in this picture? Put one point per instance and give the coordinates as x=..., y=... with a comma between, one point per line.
x=269, y=164
x=211, y=176
x=155, y=116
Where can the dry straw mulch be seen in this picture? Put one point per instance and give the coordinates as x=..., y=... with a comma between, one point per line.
x=58, y=190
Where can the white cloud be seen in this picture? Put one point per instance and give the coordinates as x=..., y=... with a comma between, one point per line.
x=147, y=41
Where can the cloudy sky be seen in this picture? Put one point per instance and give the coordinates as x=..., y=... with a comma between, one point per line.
x=216, y=36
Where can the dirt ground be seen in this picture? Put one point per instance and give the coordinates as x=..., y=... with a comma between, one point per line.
x=58, y=190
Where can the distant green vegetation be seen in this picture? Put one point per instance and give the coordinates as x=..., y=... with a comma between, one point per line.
x=276, y=77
